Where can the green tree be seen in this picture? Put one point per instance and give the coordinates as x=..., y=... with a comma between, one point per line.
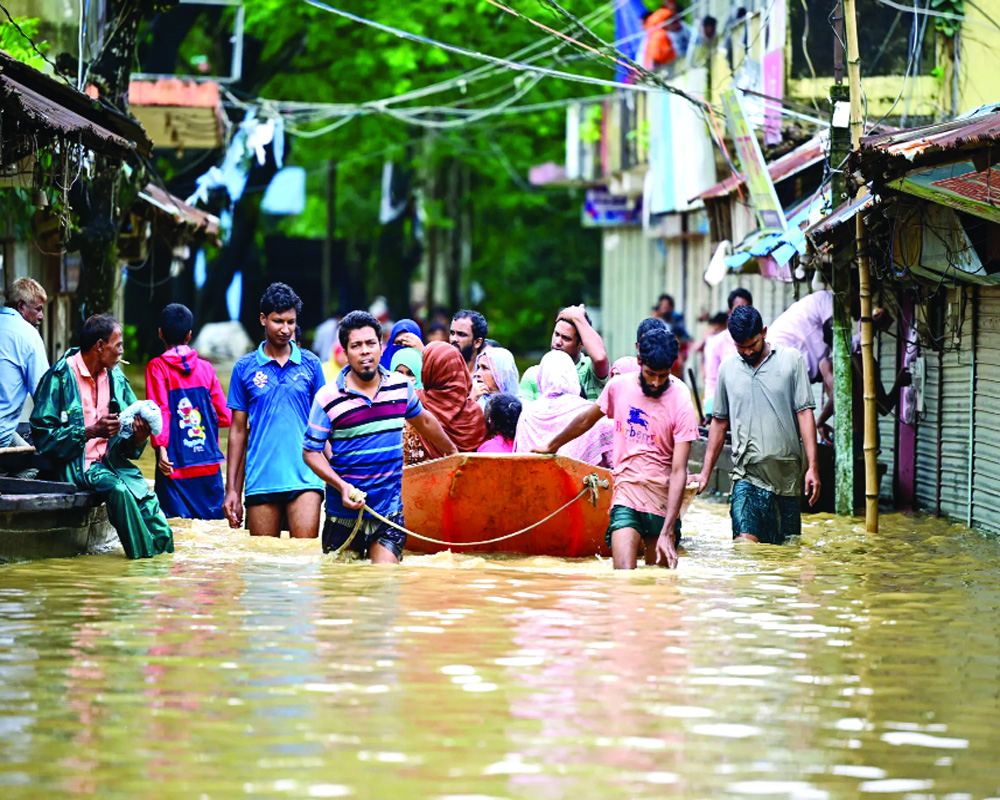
x=528, y=251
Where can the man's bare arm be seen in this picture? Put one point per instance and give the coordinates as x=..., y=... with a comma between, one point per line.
x=666, y=552
x=592, y=341
x=807, y=430
x=582, y=423
x=716, y=439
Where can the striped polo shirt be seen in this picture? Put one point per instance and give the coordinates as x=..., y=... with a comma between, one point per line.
x=366, y=439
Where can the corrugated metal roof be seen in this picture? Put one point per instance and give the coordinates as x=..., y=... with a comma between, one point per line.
x=45, y=103
x=900, y=151
x=194, y=218
x=841, y=214
x=803, y=156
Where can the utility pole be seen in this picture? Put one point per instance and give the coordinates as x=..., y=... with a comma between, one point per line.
x=840, y=275
x=864, y=278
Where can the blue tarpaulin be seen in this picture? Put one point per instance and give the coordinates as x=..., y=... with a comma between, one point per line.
x=784, y=246
x=628, y=32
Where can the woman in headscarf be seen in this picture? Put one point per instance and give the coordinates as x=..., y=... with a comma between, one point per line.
x=624, y=366
x=446, y=395
x=405, y=333
x=496, y=373
x=558, y=405
x=408, y=361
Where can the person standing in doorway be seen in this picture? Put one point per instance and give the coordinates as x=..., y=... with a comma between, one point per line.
x=763, y=395
x=270, y=395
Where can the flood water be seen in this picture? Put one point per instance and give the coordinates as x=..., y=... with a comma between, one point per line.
x=847, y=665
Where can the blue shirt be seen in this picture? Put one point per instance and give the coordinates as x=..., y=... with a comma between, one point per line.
x=277, y=400
x=366, y=439
x=22, y=364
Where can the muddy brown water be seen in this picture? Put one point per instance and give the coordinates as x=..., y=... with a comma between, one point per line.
x=843, y=666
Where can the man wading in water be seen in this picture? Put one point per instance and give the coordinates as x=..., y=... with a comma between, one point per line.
x=655, y=423
x=765, y=395
x=361, y=414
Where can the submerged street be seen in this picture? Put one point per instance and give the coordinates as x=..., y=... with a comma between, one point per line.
x=847, y=664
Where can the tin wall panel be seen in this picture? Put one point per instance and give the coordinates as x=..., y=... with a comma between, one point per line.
x=956, y=419
x=986, y=443
x=928, y=423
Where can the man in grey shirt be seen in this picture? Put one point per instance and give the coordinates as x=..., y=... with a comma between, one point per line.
x=763, y=395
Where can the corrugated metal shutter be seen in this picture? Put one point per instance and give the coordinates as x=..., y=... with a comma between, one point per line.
x=956, y=419
x=927, y=466
x=986, y=450
x=885, y=353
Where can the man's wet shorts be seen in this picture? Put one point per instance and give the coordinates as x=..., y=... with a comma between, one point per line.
x=277, y=498
x=373, y=531
x=769, y=517
x=649, y=525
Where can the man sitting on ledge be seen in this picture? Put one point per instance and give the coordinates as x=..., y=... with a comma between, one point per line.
x=75, y=425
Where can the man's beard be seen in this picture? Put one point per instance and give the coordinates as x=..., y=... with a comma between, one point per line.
x=466, y=351
x=753, y=359
x=649, y=391
x=366, y=375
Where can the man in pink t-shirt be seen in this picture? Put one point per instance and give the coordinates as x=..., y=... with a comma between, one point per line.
x=720, y=346
x=655, y=423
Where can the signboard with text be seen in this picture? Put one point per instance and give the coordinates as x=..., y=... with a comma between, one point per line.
x=763, y=197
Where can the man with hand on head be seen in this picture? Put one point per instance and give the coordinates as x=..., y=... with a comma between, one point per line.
x=75, y=425
x=573, y=334
x=763, y=396
x=655, y=423
x=360, y=415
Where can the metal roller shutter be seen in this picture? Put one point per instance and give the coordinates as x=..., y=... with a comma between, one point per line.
x=957, y=417
x=986, y=448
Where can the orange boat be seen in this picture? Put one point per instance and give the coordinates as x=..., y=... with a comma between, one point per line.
x=473, y=497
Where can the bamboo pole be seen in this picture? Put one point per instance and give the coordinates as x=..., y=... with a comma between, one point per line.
x=864, y=279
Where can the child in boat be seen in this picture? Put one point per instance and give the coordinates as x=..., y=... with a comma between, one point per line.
x=502, y=412
x=188, y=480
x=655, y=423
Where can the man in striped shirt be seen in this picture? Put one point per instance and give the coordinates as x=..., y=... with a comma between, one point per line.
x=361, y=414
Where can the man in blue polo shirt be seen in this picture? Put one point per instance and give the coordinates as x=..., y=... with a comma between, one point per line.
x=270, y=395
x=361, y=415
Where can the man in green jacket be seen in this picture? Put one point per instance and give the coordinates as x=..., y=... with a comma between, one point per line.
x=75, y=425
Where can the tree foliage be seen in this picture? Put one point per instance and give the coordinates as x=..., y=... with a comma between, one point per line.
x=528, y=251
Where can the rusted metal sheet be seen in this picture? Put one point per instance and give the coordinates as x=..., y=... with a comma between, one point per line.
x=802, y=157
x=45, y=104
x=882, y=157
x=845, y=212
x=195, y=220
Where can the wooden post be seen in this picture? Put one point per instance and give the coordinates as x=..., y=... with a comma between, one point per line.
x=864, y=279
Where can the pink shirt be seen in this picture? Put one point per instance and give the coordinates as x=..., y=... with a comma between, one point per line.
x=646, y=429
x=801, y=327
x=496, y=445
x=718, y=347
x=95, y=395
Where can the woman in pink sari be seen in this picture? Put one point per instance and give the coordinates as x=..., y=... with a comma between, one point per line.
x=558, y=405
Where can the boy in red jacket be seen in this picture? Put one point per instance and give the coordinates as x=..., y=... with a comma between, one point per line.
x=188, y=475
